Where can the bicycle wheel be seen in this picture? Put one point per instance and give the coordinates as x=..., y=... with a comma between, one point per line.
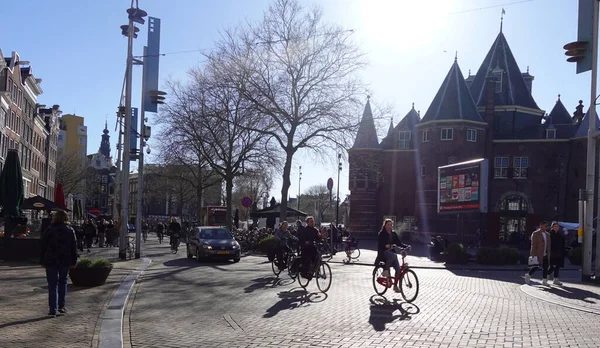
x=379, y=288
x=290, y=264
x=409, y=288
x=274, y=266
x=324, y=277
x=303, y=281
x=352, y=253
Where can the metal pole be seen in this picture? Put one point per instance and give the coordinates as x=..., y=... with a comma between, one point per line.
x=581, y=214
x=593, y=128
x=299, y=179
x=140, y=194
x=117, y=187
x=337, y=207
x=126, y=147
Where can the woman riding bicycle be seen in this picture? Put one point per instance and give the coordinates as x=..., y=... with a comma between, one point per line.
x=387, y=238
x=283, y=235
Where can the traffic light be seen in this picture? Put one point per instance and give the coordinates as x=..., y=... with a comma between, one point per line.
x=121, y=111
x=157, y=97
x=580, y=51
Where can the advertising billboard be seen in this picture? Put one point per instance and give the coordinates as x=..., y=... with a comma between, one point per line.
x=463, y=187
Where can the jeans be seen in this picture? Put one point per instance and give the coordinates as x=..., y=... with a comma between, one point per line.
x=56, y=276
x=545, y=267
x=554, y=268
x=391, y=260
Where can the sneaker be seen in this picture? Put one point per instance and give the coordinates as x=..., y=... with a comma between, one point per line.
x=545, y=282
x=396, y=288
x=385, y=273
x=62, y=310
x=557, y=282
x=527, y=278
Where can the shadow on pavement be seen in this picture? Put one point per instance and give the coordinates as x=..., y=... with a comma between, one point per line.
x=292, y=299
x=511, y=276
x=25, y=321
x=382, y=311
x=191, y=263
x=573, y=294
x=267, y=282
x=70, y=288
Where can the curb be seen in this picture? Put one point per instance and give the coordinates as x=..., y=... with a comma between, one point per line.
x=530, y=291
x=454, y=268
x=111, y=330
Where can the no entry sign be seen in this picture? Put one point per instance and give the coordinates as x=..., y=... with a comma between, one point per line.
x=247, y=202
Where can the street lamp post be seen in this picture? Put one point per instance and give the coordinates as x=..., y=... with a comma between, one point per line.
x=299, y=179
x=135, y=15
x=337, y=207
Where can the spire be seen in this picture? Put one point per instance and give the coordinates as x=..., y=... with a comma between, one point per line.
x=502, y=18
x=453, y=100
x=515, y=89
x=455, y=56
x=105, y=143
x=366, y=138
x=391, y=129
x=559, y=114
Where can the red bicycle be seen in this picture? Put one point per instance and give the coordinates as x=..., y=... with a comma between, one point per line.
x=408, y=281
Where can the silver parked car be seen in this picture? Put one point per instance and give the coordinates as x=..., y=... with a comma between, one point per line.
x=212, y=242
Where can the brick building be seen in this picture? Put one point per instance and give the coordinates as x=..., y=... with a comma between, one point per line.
x=537, y=160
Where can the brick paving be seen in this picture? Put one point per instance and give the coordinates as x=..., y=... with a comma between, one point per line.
x=24, y=299
x=183, y=303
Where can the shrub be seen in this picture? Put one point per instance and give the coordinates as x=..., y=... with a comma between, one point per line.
x=267, y=244
x=84, y=262
x=487, y=256
x=508, y=255
x=576, y=256
x=456, y=254
x=101, y=263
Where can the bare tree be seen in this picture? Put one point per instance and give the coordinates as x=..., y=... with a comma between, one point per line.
x=214, y=119
x=71, y=172
x=301, y=75
x=253, y=183
x=316, y=198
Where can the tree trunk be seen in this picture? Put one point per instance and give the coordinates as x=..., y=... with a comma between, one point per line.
x=228, y=199
x=287, y=168
x=199, y=189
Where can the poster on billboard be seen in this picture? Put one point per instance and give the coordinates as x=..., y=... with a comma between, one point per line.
x=463, y=187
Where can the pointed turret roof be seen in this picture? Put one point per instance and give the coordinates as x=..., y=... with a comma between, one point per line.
x=453, y=100
x=391, y=129
x=514, y=91
x=582, y=130
x=408, y=123
x=366, y=138
x=559, y=114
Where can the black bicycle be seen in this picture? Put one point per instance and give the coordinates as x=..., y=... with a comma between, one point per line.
x=320, y=270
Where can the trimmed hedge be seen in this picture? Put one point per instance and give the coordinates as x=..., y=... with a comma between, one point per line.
x=456, y=254
x=498, y=256
x=268, y=244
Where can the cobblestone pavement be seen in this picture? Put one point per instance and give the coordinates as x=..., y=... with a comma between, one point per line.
x=183, y=303
x=24, y=299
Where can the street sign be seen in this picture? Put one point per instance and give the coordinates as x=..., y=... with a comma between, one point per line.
x=330, y=184
x=247, y=202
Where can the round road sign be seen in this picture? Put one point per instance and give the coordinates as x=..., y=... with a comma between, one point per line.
x=247, y=202
x=330, y=184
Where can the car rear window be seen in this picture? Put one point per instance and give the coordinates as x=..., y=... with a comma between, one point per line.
x=214, y=233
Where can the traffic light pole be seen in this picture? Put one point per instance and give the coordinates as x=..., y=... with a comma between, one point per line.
x=591, y=158
x=124, y=177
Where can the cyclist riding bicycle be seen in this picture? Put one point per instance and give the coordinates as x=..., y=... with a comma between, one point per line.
x=308, y=236
x=385, y=252
x=283, y=235
x=145, y=228
x=175, y=231
x=160, y=228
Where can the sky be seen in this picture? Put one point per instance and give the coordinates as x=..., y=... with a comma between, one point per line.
x=76, y=47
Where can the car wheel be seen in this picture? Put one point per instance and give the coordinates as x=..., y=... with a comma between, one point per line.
x=236, y=260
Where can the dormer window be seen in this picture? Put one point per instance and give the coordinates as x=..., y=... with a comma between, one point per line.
x=497, y=73
x=404, y=140
x=550, y=133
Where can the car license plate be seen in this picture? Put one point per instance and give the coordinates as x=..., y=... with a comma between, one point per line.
x=222, y=252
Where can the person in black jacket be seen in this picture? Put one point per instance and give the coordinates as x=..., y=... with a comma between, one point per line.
x=307, y=236
x=59, y=253
x=387, y=238
x=557, y=251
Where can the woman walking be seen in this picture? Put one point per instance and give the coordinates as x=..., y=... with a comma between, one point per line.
x=557, y=254
x=59, y=253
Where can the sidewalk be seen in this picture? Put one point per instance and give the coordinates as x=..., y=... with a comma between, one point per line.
x=24, y=298
x=572, y=294
x=418, y=257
